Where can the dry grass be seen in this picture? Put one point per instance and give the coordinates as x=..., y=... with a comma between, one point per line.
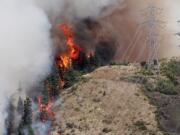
x=104, y=104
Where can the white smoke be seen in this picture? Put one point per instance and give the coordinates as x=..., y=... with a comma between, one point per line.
x=79, y=8
x=172, y=12
x=25, y=48
x=41, y=128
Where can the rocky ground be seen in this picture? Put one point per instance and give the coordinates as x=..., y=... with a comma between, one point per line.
x=102, y=103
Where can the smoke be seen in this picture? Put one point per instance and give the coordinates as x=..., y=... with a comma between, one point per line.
x=169, y=41
x=25, y=49
x=125, y=24
x=119, y=20
x=41, y=128
x=172, y=14
x=92, y=8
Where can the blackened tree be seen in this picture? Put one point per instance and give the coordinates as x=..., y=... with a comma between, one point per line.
x=81, y=63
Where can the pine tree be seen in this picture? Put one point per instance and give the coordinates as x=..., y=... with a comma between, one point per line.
x=45, y=93
x=20, y=129
x=26, y=121
x=54, y=83
x=10, y=119
x=27, y=116
x=20, y=106
x=54, y=92
x=30, y=131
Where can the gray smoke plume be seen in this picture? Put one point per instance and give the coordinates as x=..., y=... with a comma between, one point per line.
x=25, y=49
x=120, y=19
x=92, y=8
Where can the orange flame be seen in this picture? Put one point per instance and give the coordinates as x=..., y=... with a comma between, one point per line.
x=64, y=60
x=73, y=49
x=46, y=108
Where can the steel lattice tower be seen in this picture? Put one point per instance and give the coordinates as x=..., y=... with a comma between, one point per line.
x=153, y=25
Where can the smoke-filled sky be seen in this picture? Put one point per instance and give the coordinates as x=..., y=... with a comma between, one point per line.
x=170, y=15
x=172, y=18
x=26, y=46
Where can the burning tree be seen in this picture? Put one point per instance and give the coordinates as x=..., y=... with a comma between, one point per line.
x=20, y=106
x=64, y=60
x=74, y=58
x=50, y=92
x=45, y=110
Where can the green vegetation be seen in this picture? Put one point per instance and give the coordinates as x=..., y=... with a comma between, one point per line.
x=135, y=79
x=27, y=115
x=51, y=84
x=71, y=77
x=171, y=70
x=167, y=82
x=125, y=63
x=166, y=87
x=163, y=89
x=146, y=72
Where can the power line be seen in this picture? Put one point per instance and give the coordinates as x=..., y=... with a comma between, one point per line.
x=132, y=43
x=152, y=25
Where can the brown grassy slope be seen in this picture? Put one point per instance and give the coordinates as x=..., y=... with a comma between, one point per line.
x=103, y=104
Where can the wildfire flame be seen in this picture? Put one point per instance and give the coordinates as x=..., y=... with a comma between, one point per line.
x=73, y=49
x=46, y=110
x=64, y=60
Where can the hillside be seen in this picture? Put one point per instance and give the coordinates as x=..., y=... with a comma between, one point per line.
x=102, y=103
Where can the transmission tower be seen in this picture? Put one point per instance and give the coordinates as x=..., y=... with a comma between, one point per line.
x=153, y=25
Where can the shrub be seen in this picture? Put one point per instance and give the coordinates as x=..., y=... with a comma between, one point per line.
x=106, y=130
x=124, y=63
x=146, y=72
x=171, y=70
x=149, y=86
x=134, y=79
x=166, y=87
